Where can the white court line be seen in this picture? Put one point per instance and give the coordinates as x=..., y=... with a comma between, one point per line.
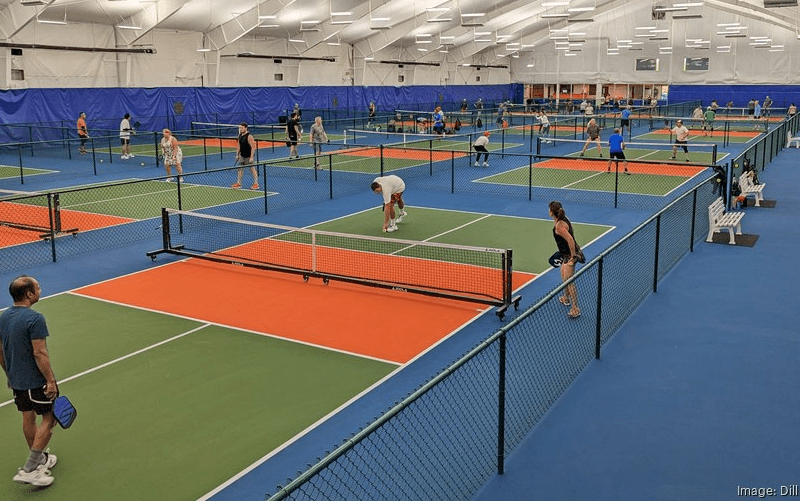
x=441, y=234
x=124, y=357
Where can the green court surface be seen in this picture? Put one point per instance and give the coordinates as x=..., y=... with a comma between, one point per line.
x=592, y=180
x=170, y=408
x=7, y=171
x=136, y=200
x=697, y=137
x=530, y=239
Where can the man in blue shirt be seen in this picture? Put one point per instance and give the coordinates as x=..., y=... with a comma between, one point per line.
x=26, y=362
x=438, y=121
x=616, y=145
x=625, y=119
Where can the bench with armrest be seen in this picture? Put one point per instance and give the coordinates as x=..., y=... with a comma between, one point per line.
x=748, y=188
x=792, y=140
x=719, y=220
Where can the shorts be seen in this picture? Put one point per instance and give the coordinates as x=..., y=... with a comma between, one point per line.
x=438, y=128
x=624, y=122
x=751, y=112
x=33, y=400
x=681, y=144
x=617, y=154
x=396, y=197
x=124, y=140
x=594, y=138
x=292, y=141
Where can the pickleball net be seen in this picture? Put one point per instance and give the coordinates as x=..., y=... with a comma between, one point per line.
x=699, y=153
x=33, y=214
x=460, y=272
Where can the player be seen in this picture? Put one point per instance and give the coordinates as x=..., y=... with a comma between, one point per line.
x=544, y=126
x=480, y=147
x=593, y=135
x=245, y=150
x=681, y=139
x=616, y=147
x=83, y=132
x=708, y=122
x=391, y=188
x=125, y=131
x=569, y=253
x=371, y=114
x=438, y=121
x=625, y=120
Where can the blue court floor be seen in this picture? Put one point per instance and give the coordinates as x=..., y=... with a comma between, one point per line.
x=695, y=397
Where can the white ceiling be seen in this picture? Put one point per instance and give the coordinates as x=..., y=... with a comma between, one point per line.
x=508, y=26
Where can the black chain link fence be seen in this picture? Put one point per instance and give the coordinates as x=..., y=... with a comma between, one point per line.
x=447, y=438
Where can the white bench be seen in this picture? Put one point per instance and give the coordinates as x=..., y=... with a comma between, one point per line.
x=792, y=140
x=748, y=188
x=718, y=220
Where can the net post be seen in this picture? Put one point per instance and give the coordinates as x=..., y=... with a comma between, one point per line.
x=330, y=175
x=155, y=144
x=538, y=145
x=21, y=170
x=57, y=212
x=381, y=160
x=616, y=182
x=205, y=154
x=165, y=241
x=714, y=154
x=507, y=275
x=52, y=226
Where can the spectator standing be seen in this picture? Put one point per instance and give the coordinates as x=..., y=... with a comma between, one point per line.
x=83, y=132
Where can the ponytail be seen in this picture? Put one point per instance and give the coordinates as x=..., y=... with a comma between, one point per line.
x=557, y=210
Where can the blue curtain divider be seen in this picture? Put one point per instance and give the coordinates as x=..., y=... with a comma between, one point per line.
x=176, y=107
x=781, y=95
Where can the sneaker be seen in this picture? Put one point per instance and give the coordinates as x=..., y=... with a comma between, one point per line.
x=39, y=477
x=672, y=158
x=399, y=220
x=403, y=213
x=580, y=155
x=130, y=155
x=236, y=185
x=50, y=460
x=254, y=187
x=627, y=172
x=476, y=164
x=392, y=228
x=486, y=164
x=180, y=179
x=169, y=179
x=124, y=157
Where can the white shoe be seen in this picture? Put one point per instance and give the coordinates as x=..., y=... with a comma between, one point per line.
x=403, y=213
x=124, y=157
x=476, y=164
x=131, y=156
x=49, y=461
x=39, y=477
x=169, y=180
x=486, y=164
x=399, y=220
x=392, y=228
x=180, y=179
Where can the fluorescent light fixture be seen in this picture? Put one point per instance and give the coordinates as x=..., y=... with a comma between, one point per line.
x=554, y=3
x=447, y=37
x=727, y=24
x=421, y=49
x=334, y=43
x=268, y=17
x=578, y=34
x=440, y=20
x=474, y=14
x=482, y=33
x=121, y=26
x=437, y=9
x=482, y=40
x=570, y=54
x=580, y=9
x=559, y=37
x=341, y=13
x=660, y=31
x=529, y=65
x=587, y=20
x=688, y=16
x=349, y=21
x=268, y=26
x=554, y=16
x=645, y=28
x=623, y=41
x=688, y=4
x=423, y=41
x=203, y=49
x=527, y=46
x=48, y=21
x=423, y=35
x=646, y=35
x=724, y=48
x=669, y=9
x=294, y=40
x=738, y=35
x=464, y=64
x=379, y=19
x=312, y=21
x=369, y=58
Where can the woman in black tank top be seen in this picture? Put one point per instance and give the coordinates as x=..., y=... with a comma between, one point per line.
x=565, y=240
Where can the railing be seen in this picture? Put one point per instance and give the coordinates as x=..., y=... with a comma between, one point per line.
x=450, y=436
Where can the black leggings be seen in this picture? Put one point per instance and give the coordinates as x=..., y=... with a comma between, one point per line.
x=482, y=149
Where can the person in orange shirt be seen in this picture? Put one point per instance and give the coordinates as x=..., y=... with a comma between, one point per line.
x=83, y=132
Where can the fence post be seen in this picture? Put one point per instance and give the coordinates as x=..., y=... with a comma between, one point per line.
x=52, y=225
x=599, y=324
x=655, y=258
x=694, y=216
x=501, y=405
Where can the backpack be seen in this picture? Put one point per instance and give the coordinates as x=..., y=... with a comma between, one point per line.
x=457, y=124
x=479, y=123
